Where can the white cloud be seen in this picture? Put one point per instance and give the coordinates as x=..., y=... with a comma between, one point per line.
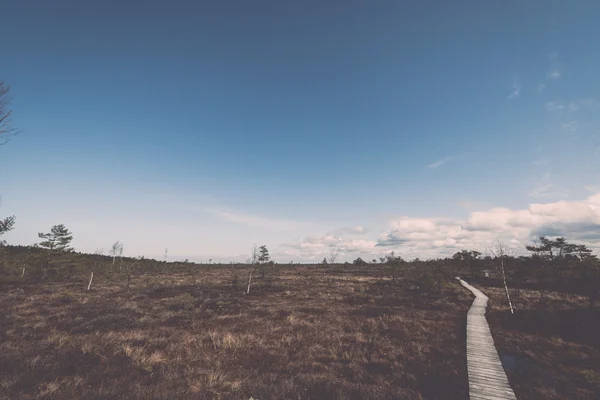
x=541, y=87
x=410, y=237
x=354, y=246
x=315, y=248
x=577, y=220
x=441, y=162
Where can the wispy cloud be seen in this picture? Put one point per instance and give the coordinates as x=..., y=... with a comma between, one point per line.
x=573, y=107
x=441, y=162
x=255, y=221
x=545, y=188
x=516, y=90
x=555, y=70
x=554, y=74
x=542, y=190
x=592, y=188
x=554, y=106
x=541, y=161
x=541, y=87
x=347, y=230
x=589, y=102
x=570, y=126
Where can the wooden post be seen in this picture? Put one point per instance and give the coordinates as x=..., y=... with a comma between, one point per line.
x=91, y=277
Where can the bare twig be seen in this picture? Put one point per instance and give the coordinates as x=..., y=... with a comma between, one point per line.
x=333, y=254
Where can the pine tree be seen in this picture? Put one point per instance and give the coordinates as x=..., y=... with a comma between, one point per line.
x=263, y=256
x=6, y=225
x=468, y=258
x=57, y=239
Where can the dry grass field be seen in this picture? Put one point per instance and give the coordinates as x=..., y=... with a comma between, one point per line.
x=303, y=332
x=550, y=347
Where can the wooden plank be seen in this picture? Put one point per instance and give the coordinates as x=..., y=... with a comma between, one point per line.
x=487, y=378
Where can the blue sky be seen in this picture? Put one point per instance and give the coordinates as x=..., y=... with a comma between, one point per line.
x=206, y=127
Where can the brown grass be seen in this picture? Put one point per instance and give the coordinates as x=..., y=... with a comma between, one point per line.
x=303, y=333
x=551, y=347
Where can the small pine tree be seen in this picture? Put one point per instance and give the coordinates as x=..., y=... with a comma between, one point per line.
x=359, y=261
x=6, y=225
x=263, y=256
x=57, y=239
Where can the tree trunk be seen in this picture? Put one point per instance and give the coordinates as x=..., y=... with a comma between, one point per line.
x=512, y=311
x=250, y=281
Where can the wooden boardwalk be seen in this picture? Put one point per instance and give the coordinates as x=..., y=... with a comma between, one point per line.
x=487, y=379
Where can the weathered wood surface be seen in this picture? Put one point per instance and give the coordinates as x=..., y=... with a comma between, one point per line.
x=487, y=379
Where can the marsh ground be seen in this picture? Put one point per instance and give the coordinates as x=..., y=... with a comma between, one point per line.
x=303, y=332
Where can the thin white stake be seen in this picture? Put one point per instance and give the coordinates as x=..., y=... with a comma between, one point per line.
x=91, y=277
x=250, y=281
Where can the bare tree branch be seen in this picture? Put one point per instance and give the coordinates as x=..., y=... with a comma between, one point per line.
x=333, y=254
x=6, y=128
x=500, y=251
